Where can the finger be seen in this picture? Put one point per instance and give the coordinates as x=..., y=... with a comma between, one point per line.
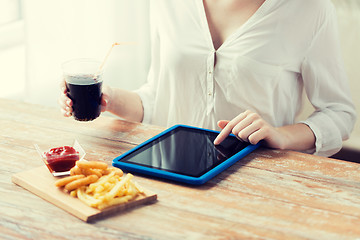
x=247, y=121
x=63, y=90
x=247, y=131
x=104, y=102
x=222, y=135
x=222, y=123
x=228, y=128
x=66, y=113
x=63, y=86
x=65, y=101
x=69, y=102
x=257, y=136
x=61, y=102
x=65, y=105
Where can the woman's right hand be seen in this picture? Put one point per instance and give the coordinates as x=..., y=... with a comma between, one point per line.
x=64, y=101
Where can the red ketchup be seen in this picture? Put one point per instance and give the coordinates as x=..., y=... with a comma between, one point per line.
x=61, y=159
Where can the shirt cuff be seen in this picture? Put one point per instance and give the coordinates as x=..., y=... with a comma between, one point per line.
x=328, y=138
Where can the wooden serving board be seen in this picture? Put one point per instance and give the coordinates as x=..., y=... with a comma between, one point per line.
x=40, y=182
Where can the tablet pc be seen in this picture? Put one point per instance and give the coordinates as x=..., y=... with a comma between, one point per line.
x=185, y=154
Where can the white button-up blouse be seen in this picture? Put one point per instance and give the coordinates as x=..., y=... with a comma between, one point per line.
x=286, y=47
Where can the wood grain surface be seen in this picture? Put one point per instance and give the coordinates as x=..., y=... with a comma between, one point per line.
x=269, y=194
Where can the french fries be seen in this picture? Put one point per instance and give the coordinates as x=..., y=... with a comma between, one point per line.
x=100, y=186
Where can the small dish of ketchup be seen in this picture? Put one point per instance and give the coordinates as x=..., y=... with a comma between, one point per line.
x=59, y=160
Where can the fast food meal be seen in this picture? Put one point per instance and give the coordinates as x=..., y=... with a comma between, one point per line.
x=98, y=185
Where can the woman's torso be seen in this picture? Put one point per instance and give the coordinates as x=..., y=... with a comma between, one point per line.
x=256, y=67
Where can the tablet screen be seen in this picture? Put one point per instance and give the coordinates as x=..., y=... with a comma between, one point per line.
x=186, y=151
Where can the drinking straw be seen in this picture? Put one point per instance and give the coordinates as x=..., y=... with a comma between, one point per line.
x=108, y=54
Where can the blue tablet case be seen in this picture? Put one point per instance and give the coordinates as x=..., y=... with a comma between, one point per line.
x=133, y=167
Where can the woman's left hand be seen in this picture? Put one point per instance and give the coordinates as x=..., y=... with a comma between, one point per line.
x=250, y=127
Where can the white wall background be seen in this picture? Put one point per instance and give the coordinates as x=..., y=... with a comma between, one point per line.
x=12, y=50
x=58, y=30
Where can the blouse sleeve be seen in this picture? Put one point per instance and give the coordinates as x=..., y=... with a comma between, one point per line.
x=326, y=85
x=147, y=91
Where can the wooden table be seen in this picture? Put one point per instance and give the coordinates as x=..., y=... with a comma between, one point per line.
x=268, y=195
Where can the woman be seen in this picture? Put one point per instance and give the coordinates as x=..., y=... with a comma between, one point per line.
x=242, y=65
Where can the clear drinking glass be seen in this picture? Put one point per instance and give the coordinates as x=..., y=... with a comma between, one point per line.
x=84, y=87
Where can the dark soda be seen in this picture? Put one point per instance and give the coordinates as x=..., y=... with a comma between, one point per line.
x=85, y=92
